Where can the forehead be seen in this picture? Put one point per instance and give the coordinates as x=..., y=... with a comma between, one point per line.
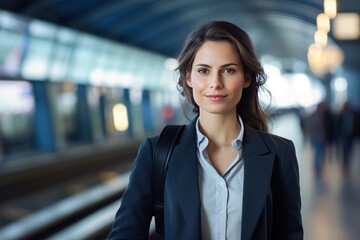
x=217, y=52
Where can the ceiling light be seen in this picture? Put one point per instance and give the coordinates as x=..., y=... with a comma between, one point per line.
x=347, y=26
x=330, y=8
x=323, y=22
x=320, y=37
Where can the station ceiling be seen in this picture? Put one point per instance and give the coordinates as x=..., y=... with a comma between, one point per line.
x=281, y=28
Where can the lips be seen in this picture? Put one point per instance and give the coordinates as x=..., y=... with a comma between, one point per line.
x=216, y=97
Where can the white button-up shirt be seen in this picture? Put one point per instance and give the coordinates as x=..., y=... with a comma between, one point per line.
x=221, y=196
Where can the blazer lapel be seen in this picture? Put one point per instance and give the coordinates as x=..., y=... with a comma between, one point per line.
x=183, y=173
x=258, y=165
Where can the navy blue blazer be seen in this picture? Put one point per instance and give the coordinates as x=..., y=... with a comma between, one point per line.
x=271, y=200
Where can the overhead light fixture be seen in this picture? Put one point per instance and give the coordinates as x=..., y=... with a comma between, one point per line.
x=321, y=37
x=347, y=26
x=314, y=52
x=330, y=8
x=324, y=59
x=323, y=22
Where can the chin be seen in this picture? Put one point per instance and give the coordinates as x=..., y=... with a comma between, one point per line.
x=216, y=111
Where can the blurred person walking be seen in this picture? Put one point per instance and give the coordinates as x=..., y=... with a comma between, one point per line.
x=346, y=134
x=317, y=131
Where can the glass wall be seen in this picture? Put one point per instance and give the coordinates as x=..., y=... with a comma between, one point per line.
x=11, y=44
x=86, y=88
x=16, y=117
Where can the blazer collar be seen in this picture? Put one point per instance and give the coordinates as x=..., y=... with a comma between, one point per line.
x=258, y=165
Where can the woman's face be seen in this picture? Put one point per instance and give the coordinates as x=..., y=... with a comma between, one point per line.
x=217, y=78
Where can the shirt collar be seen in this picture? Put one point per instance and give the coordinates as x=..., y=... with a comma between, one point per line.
x=202, y=140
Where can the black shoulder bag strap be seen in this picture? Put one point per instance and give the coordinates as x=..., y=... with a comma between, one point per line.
x=162, y=154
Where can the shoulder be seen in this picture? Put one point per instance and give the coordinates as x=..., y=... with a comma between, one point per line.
x=279, y=145
x=166, y=134
x=275, y=141
x=152, y=141
x=285, y=154
x=285, y=165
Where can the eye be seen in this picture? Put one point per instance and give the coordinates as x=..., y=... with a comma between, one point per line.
x=228, y=70
x=203, y=71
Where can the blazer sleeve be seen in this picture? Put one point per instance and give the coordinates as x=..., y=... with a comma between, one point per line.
x=288, y=214
x=133, y=218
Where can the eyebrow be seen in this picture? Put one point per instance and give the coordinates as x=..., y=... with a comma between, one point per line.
x=222, y=66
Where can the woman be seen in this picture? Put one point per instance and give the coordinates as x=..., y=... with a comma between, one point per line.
x=227, y=177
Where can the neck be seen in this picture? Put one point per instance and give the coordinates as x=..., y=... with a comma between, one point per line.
x=219, y=129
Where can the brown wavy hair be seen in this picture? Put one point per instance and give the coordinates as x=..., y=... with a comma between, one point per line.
x=249, y=107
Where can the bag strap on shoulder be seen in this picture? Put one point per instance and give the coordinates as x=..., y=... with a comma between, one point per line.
x=162, y=154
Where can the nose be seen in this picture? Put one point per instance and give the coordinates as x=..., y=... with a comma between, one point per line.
x=216, y=81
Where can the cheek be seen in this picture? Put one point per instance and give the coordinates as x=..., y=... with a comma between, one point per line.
x=239, y=95
x=238, y=87
x=197, y=87
x=233, y=84
x=198, y=83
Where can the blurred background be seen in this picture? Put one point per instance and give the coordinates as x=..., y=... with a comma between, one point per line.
x=83, y=82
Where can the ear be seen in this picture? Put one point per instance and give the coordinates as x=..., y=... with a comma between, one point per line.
x=247, y=81
x=188, y=80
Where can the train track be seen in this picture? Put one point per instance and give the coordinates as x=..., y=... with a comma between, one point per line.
x=44, y=200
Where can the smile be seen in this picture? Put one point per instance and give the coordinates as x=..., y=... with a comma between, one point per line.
x=216, y=97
